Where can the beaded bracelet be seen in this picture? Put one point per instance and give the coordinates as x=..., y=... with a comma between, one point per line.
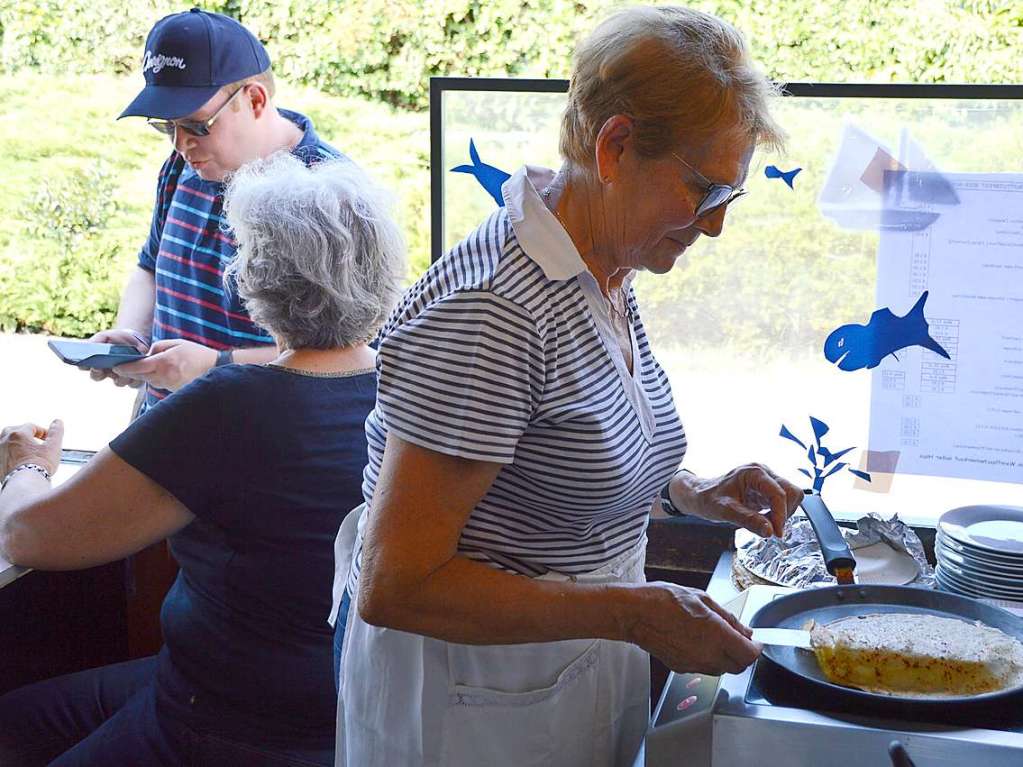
x=31, y=466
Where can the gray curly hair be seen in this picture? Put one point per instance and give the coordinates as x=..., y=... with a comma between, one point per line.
x=320, y=261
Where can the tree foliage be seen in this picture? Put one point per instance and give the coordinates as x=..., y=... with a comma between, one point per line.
x=70, y=285
x=388, y=49
x=68, y=65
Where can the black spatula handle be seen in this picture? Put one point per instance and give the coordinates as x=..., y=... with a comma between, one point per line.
x=837, y=555
x=899, y=755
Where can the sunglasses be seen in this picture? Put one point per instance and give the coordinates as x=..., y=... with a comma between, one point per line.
x=714, y=195
x=194, y=127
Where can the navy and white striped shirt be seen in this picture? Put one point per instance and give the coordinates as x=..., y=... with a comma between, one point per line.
x=503, y=351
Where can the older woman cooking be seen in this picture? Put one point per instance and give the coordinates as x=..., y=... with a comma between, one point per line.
x=249, y=470
x=523, y=429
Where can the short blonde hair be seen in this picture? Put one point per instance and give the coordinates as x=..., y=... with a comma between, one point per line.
x=682, y=75
x=264, y=78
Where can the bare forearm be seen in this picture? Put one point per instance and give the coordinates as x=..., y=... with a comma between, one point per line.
x=413, y=579
x=15, y=536
x=80, y=523
x=137, y=303
x=470, y=603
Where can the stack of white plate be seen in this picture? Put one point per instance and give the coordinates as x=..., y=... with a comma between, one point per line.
x=979, y=550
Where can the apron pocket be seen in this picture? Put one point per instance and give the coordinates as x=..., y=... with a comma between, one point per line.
x=523, y=705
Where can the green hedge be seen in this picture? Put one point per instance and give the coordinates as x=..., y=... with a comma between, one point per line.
x=72, y=283
x=387, y=49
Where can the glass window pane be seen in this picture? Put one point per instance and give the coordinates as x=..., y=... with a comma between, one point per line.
x=889, y=203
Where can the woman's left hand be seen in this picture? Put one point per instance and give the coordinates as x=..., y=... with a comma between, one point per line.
x=742, y=494
x=29, y=443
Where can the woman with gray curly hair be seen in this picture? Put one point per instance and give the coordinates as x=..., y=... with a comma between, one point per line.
x=249, y=471
x=316, y=262
x=524, y=430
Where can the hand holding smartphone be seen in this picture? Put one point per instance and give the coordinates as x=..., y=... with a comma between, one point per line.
x=88, y=355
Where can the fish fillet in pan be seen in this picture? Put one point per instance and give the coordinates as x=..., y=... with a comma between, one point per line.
x=917, y=655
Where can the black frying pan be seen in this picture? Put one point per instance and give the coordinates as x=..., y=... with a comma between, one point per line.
x=825, y=605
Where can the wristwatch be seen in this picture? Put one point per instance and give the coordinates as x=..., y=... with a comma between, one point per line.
x=224, y=357
x=667, y=506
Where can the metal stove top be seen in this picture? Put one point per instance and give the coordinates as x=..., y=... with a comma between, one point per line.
x=752, y=719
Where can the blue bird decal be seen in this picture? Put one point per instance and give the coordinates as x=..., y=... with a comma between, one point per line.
x=490, y=178
x=854, y=347
x=772, y=171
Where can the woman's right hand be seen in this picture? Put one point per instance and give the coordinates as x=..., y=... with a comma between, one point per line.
x=689, y=631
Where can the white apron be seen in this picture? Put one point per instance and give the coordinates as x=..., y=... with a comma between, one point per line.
x=344, y=550
x=408, y=700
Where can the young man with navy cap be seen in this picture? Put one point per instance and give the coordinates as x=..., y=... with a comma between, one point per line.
x=209, y=88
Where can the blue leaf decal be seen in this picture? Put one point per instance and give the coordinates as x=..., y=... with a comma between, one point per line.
x=819, y=429
x=861, y=474
x=835, y=456
x=789, y=435
x=811, y=455
x=804, y=471
x=837, y=467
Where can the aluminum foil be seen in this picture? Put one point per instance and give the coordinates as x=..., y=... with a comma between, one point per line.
x=795, y=558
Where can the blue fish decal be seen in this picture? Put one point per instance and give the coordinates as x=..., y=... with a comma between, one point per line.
x=854, y=347
x=490, y=178
x=788, y=176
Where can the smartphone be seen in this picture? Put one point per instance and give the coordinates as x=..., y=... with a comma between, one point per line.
x=87, y=355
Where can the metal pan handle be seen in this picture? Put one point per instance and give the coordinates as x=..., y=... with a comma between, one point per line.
x=899, y=755
x=837, y=555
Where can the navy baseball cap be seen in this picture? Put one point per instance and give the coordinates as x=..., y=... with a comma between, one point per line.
x=189, y=56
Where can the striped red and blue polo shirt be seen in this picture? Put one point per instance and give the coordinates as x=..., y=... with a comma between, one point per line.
x=188, y=248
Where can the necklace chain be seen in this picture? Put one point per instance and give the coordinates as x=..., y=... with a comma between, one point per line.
x=625, y=312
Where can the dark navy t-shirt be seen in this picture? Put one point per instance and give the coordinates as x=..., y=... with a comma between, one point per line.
x=269, y=461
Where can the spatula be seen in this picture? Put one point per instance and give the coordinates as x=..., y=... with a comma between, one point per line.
x=783, y=637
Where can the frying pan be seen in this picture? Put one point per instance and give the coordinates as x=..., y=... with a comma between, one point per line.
x=825, y=605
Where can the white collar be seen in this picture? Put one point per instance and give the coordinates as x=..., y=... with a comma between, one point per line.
x=541, y=235
x=538, y=231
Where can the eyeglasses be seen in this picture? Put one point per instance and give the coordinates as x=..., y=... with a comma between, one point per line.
x=193, y=127
x=714, y=195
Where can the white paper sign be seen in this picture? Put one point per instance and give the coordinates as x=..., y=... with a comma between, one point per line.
x=960, y=417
